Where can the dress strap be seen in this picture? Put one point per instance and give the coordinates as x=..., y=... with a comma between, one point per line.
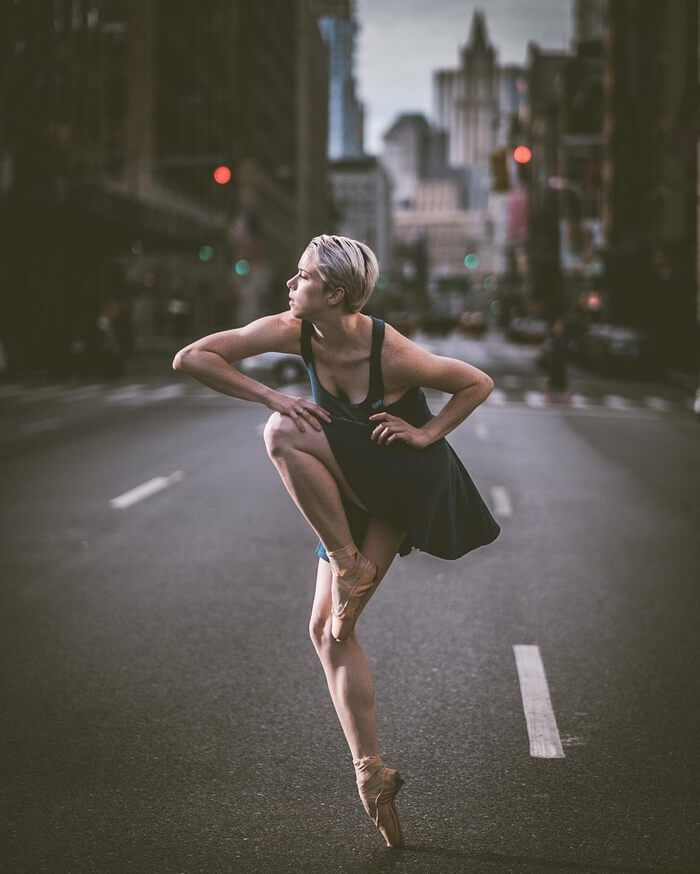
x=376, y=381
x=306, y=354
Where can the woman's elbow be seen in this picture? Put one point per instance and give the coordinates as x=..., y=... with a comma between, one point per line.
x=486, y=386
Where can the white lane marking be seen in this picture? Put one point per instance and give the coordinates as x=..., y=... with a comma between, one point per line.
x=481, y=431
x=126, y=393
x=534, y=399
x=542, y=730
x=497, y=398
x=41, y=425
x=510, y=381
x=146, y=489
x=501, y=501
x=577, y=401
x=659, y=404
x=616, y=402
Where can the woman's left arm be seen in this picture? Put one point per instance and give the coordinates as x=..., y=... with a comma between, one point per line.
x=405, y=363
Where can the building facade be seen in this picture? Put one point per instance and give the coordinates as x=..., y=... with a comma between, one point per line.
x=114, y=117
x=650, y=172
x=361, y=194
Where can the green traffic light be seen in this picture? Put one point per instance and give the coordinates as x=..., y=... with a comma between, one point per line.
x=242, y=267
x=206, y=253
x=471, y=261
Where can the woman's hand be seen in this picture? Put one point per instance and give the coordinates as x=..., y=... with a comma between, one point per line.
x=390, y=429
x=299, y=410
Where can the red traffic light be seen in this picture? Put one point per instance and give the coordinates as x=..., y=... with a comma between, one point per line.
x=222, y=175
x=522, y=155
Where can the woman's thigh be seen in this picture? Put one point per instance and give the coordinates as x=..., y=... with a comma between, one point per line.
x=316, y=444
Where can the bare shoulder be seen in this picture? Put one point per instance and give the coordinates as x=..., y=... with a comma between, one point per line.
x=280, y=332
x=406, y=364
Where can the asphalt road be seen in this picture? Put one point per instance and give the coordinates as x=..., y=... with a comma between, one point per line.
x=163, y=709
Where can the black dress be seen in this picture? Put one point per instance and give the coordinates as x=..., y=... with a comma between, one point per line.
x=425, y=492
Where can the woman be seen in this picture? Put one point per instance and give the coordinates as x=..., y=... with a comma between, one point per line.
x=365, y=463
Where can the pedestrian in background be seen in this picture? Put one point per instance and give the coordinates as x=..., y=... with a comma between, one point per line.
x=557, y=355
x=365, y=462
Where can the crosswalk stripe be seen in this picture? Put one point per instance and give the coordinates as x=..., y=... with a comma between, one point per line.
x=481, y=431
x=616, y=402
x=578, y=401
x=12, y=390
x=534, y=399
x=659, y=404
x=501, y=501
x=44, y=393
x=125, y=393
x=542, y=730
x=497, y=397
x=166, y=392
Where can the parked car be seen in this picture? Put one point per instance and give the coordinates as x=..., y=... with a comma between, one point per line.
x=281, y=367
x=619, y=350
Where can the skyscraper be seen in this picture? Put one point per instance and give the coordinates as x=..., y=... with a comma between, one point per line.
x=337, y=22
x=466, y=106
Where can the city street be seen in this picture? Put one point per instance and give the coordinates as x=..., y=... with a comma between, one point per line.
x=165, y=713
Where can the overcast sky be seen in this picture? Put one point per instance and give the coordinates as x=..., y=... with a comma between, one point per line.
x=400, y=43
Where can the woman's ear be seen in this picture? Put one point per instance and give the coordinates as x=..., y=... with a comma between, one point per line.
x=336, y=296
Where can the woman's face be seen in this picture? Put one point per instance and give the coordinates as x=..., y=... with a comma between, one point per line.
x=306, y=294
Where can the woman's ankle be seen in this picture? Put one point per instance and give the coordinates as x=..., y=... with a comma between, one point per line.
x=344, y=558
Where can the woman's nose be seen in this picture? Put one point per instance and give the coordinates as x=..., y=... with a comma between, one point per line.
x=289, y=282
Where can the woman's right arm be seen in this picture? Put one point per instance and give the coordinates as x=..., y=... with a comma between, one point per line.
x=210, y=360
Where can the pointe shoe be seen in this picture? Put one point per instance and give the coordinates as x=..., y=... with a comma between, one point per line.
x=378, y=787
x=350, y=591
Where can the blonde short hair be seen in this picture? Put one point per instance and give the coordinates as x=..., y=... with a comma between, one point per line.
x=347, y=264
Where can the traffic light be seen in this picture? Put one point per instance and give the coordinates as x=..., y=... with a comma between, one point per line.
x=206, y=253
x=522, y=155
x=471, y=261
x=222, y=175
x=500, y=180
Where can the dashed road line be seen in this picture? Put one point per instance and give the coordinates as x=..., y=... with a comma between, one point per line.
x=501, y=501
x=145, y=490
x=542, y=730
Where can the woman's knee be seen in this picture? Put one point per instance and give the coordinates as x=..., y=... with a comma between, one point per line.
x=320, y=632
x=278, y=434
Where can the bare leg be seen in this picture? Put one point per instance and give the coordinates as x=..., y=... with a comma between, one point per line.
x=345, y=665
x=312, y=477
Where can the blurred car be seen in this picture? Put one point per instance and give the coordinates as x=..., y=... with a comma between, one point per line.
x=280, y=366
x=473, y=322
x=619, y=350
x=526, y=329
